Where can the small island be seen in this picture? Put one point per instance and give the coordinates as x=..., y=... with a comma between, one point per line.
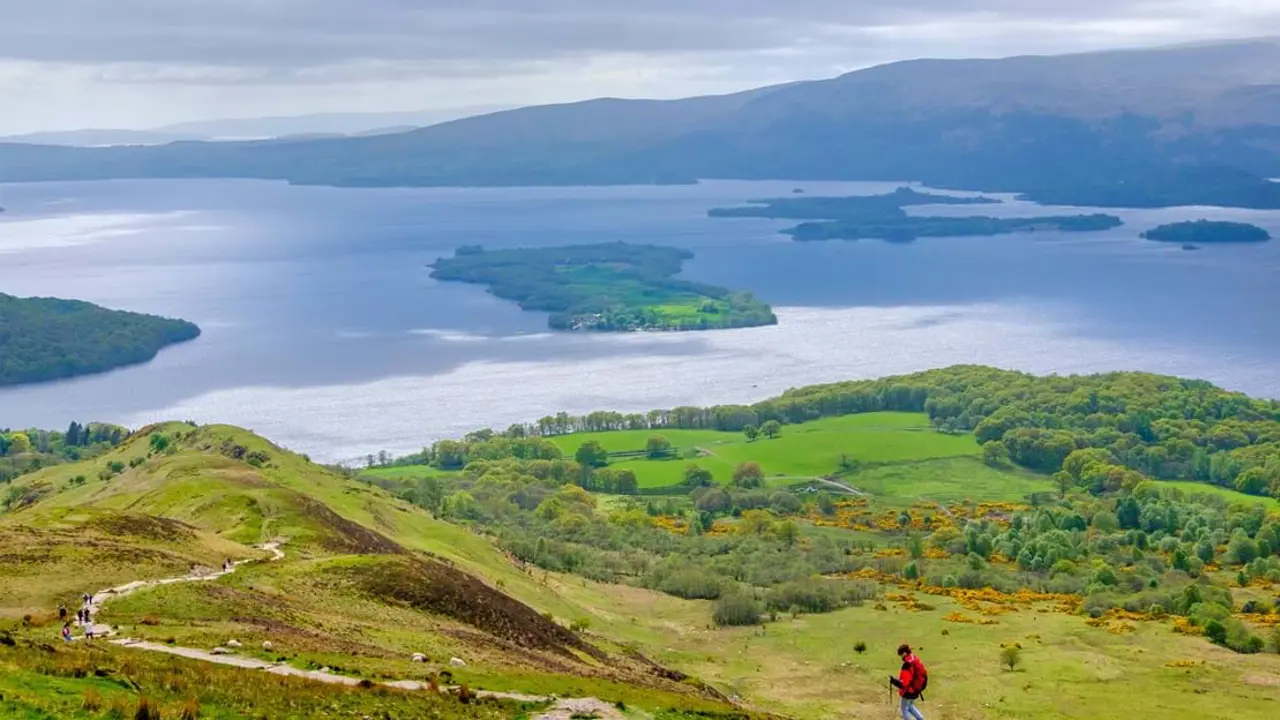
x=910, y=228
x=884, y=217
x=45, y=339
x=853, y=207
x=1200, y=232
x=611, y=287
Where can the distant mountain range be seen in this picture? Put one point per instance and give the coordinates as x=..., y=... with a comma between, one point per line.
x=313, y=126
x=1169, y=126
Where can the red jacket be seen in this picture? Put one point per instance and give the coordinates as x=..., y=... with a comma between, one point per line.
x=907, y=676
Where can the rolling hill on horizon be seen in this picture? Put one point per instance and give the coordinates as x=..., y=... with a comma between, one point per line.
x=1176, y=125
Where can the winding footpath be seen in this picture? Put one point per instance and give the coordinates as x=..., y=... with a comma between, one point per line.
x=563, y=708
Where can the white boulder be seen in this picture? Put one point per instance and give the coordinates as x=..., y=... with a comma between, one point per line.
x=419, y=657
x=266, y=645
x=234, y=644
x=457, y=662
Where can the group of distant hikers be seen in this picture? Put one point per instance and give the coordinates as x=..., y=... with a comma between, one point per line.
x=84, y=618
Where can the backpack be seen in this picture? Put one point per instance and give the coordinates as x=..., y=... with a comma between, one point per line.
x=919, y=677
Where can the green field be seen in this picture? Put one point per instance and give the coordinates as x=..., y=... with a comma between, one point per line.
x=1191, y=488
x=406, y=472
x=947, y=480
x=807, y=450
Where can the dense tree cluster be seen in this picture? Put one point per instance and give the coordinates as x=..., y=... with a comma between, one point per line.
x=1125, y=425
x=46, y=339
x=605, y=287
x=24, y=451
x=1147, y=551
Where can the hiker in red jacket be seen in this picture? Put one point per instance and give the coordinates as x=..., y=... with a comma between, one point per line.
x=911, y=682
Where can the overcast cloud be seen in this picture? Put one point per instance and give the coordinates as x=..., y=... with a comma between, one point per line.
x=141, y=63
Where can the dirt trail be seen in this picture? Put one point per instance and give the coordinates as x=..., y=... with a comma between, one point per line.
x=102, y=596
x=563, y=709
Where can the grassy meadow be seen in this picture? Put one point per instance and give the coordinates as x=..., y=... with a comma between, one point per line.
x=807, y=667
x=802, y=452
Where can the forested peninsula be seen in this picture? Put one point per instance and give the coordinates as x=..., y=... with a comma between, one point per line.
x=610, y=287
x=1208, y=232
x=48, y=339
x=884, y=217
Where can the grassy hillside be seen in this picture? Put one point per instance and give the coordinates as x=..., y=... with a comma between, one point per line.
x=669, y=605
x=367, y=580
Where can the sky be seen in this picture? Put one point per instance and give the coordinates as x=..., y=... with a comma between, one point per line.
x=69, y=64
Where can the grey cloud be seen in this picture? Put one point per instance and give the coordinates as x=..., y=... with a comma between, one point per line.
x=310, y=33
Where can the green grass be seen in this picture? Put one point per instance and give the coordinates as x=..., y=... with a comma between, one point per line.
x=407, y=472
x=948, y=480
x=806, y=668
x=806, y=450
x=1231, y=496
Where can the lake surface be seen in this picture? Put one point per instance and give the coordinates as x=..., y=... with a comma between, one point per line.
x=323, y=331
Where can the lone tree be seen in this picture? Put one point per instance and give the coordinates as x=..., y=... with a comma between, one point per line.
x=592, y=454
x=752, y=432
x=771, y=429
x=696, y=477
x=657, y=447
x=19, y=444
x=748, y=475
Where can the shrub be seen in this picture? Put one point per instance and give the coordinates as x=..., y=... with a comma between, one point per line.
x=811, y=596
x=736, y=608
x=1011, y=656
x=859, y=647
x=1241, y=639
x=748, y=475
x=92, y=701
x=857, y=592
x=784, y=503
x=691, y=584
x=1216, y=632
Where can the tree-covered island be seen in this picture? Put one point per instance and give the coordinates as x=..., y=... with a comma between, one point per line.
x=1207, y=232
x=611, y=287
x=884, y=217
x=48, y=339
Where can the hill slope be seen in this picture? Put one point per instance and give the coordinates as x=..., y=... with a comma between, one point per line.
x=1142, y=127
x=366, y=580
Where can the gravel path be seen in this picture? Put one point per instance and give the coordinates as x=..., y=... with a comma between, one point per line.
x=563, y=709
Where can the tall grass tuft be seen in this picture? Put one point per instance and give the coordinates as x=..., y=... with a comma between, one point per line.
x=146, y=710
x=92, y=700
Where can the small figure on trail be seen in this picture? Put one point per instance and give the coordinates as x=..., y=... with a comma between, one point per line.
x=62, y=613
x=80, y=616
x=66, y=631
x=88, y=632
x=86, y=599
x=911, y=682
x=226, y=565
